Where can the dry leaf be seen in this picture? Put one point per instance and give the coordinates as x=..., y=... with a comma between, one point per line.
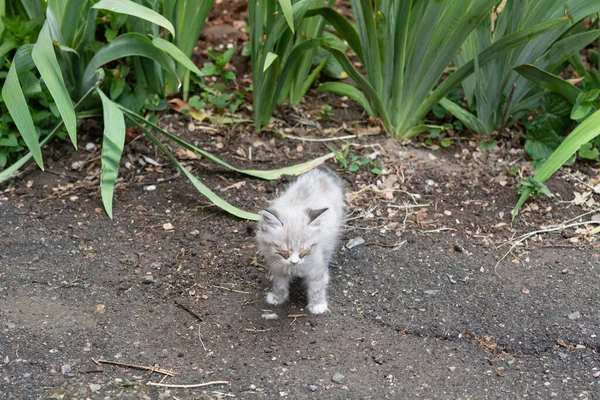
x=525, y=290
x=185, y=154
x=234, y=186
x=99, y=309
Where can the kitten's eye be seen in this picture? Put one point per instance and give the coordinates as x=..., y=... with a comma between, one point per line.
x=306, y=252
x=283, y=253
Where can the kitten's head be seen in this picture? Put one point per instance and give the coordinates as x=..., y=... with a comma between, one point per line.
x=290, y=238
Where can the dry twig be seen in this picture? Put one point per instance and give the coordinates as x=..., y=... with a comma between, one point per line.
x=143, y=367
x=196, y=385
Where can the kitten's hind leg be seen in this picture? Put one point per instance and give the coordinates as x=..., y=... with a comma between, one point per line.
x=280, y=292
x=317, y=293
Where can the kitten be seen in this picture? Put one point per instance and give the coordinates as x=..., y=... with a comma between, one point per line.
x=299, y=233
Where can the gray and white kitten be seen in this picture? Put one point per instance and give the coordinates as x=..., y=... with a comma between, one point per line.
x=299, y=233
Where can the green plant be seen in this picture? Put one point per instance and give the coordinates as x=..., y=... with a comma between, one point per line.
x=495, y=91
x=547, y=129
x=186, y=16
x=325, y=113
x=218, y=95
x=282, y=47
x=415, y=41
x=588, y=130
x=61, y=58
x=351, y=162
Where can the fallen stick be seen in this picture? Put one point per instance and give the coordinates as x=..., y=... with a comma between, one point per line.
x=197, y=385
x=143, y=367
x=185, y=308
x=229, y=290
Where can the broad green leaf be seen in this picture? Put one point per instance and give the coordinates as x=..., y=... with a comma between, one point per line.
x=10, y=171
x=343, y=89
x=269, y=60
x=212, y=196
x=113, y=142
x=17, y=107
x=549, y=82
x=286, y=7
x=581, y=110
x=6, y=46
x=128, y=44
x=45, y=61
x=177, y=54
x=136, y=10
x=588, y=151
x=585, y=132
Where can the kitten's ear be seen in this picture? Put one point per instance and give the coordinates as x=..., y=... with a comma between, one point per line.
x=269, y=218
x=315, y=214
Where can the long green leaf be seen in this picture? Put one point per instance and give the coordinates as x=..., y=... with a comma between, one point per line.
x=212, y=196
x=129, y=44
x=177, y=54
x=267, y=175
x=12, y=93
x=463, y=115
x=506, y=43
x=586, y=131
x=136, y=10
x=286, y=7
x=343, y=89
x=10, y=171
x=549, y=82
x=113, y=142
x=45, y=61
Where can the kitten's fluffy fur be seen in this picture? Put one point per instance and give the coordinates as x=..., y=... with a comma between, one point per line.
x=299, y=233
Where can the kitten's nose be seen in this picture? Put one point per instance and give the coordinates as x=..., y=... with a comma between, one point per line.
x=294, y=259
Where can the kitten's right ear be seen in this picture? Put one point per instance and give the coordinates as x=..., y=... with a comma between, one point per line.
x=269, y=218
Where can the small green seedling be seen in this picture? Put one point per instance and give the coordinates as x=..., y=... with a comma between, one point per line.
x=352, y=162
x=325, y=113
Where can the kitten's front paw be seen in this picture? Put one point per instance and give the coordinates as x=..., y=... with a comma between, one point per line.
x=317, y=308
x=274, y=300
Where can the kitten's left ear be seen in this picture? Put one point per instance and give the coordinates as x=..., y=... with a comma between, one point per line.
x=315, y=214
x=270, y=219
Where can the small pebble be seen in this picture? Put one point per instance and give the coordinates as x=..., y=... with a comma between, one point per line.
x=357, y=241
x=338, y=378
x=90, y=146
x=313, y=388
x=574, y=315
x=378, y=359
x=66, y=369
x=597, y=374
x=10, y=325
x=150, y=188
x=94, y=387
x=147, y=279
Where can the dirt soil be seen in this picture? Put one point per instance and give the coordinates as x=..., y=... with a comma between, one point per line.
x=444, y=299
x=417, y=311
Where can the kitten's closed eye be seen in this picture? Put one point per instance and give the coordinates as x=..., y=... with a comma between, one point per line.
x=283, y=253
x=306, y=252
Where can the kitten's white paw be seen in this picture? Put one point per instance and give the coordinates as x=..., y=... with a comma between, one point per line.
x=274, y=300
x=317, y=308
